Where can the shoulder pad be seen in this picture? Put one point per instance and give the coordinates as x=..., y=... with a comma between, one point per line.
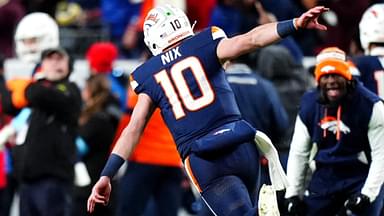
x=217, y=33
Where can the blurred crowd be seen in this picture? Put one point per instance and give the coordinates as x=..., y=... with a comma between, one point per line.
x=37, y=112
x=84, y=22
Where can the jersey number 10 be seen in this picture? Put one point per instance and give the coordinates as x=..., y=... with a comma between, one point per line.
x=183, y=98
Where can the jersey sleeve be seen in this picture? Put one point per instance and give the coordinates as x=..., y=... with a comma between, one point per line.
x=134, y=84
x=298, y=160
x=141, y=83
x=374, y=180
x=137, y=84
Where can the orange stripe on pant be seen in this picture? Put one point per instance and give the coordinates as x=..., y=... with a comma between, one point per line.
x=190, y=174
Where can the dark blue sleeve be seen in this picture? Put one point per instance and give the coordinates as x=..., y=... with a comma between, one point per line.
x=308, y=107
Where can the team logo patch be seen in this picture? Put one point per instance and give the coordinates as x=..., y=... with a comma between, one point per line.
x=328, y=68
x=331, y=124
x=61, y=87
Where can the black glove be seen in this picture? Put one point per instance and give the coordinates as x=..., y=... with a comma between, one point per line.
x=357, y=203
x=294, y=206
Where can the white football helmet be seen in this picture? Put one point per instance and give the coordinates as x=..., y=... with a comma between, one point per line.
x=371, y=26
x=165, y=25
x=35, y=33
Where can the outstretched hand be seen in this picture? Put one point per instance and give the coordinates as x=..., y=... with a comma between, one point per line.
x=100, y=193
x=309, y=19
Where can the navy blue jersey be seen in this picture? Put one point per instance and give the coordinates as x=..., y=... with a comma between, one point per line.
x=322, y=123
x=188, y=83
x=371, y=73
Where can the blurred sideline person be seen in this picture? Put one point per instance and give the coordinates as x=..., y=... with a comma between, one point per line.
x=6, y=181
x=101, y=57
x=97, y=126
x=45, y=163
x=371, y=65
x=291, y=80
x=342, y=122
x=249, y=89
x=186, y=81
x=153, y=172
x=34, y=33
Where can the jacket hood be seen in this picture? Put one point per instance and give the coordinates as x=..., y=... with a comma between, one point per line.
x=276, y=62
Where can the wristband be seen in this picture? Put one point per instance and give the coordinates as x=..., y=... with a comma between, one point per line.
x=285, y=28
x=112, y=166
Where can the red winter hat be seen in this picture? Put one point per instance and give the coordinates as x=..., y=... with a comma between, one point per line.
x=100, y=56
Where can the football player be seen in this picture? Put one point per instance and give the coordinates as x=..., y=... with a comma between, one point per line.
x=185, y=79
x=34, y=33
x=371, y=66
x=342, y=149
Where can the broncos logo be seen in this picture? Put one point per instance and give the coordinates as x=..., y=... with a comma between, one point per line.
x=330, y=123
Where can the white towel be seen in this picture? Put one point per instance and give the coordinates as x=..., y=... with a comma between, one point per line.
x=276, y=172
x=82, y=177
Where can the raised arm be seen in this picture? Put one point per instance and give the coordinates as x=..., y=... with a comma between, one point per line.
x=269, y=33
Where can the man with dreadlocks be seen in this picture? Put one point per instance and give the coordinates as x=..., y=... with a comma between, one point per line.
x=344, y=122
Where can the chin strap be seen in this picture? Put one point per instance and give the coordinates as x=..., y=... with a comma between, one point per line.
x=376, y=51
x=193, y=25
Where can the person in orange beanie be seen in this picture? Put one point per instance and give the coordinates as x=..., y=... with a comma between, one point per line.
x=338, y=135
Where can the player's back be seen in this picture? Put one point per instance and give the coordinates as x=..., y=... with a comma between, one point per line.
x=188, y=83
x=371, y=73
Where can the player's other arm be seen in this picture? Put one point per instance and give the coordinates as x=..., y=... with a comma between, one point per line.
x=122, y=150
x=269, y=33
x=131, y=134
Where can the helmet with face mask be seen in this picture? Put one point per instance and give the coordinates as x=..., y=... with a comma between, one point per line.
x=371, y=26
x=165, y=26
x=35, y=33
